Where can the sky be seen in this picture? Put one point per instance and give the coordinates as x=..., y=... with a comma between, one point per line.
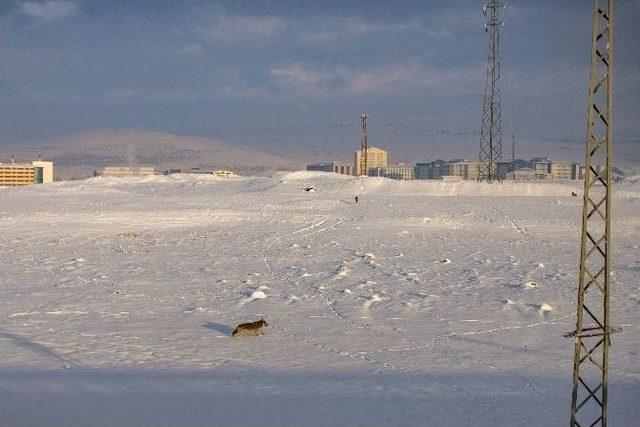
x=295, y=76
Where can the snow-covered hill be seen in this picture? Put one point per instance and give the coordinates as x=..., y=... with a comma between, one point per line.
x=426, y=303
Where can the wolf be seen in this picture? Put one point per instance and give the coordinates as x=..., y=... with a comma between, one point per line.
x=254, y=328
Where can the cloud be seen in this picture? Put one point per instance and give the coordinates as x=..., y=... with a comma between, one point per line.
x=306, y=31
x=193, y=50
x=229, y=90
x=294, y=77
x=231, y=28
x=345, y=80
x=239, y=92
x=49, y=10
x=339, y=29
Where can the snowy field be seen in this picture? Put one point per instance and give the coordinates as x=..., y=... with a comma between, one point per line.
x=427, y=303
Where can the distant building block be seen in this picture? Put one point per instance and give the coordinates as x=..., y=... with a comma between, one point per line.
x=43, y=171
x=399, y=171
x=376, y=158
x=16, y=174
x=122, y=171
x=335, y=167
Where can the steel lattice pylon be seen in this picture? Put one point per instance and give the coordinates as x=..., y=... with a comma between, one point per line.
x=363, y=146
x=592, y=334
x=491, y=134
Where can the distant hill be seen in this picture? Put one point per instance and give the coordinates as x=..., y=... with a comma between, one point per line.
x=77, y=156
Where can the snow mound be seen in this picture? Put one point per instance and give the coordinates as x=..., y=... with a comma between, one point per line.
x=372, y=300
x=259, y=293
x=545, y=307
x=342, y=271
x=329, y=183
x=311, y=175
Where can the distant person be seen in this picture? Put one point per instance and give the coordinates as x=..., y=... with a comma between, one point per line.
x=356, y=199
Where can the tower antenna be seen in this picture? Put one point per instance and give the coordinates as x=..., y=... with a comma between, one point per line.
x=491, y=134
x=363, y=145
x=592, y=334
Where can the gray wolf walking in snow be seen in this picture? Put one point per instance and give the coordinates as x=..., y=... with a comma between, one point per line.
x=253, y=328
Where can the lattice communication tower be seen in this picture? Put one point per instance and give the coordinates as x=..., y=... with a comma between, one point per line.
x=592, y=334
x=363, y=146
x=491, y=134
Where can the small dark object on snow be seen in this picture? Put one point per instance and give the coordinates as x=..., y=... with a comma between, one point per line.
x=253, y=328
x=574, y=194
x=356, y=199
x=309, y=189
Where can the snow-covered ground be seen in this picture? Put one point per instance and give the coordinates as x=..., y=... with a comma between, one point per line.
x=426, y=303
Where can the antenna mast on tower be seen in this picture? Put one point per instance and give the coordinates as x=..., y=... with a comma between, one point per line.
x=592, y=334
x=363, y=146
x=491, y=134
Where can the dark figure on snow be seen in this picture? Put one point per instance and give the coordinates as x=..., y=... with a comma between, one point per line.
x=356, y=199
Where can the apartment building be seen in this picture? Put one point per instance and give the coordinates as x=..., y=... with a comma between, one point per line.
x=16, y=174
x=429, y=170
x=376, y=158
x=461, y=168
x=122, y=171
x=335, y=167
x=565, y=171
x=398, y=171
